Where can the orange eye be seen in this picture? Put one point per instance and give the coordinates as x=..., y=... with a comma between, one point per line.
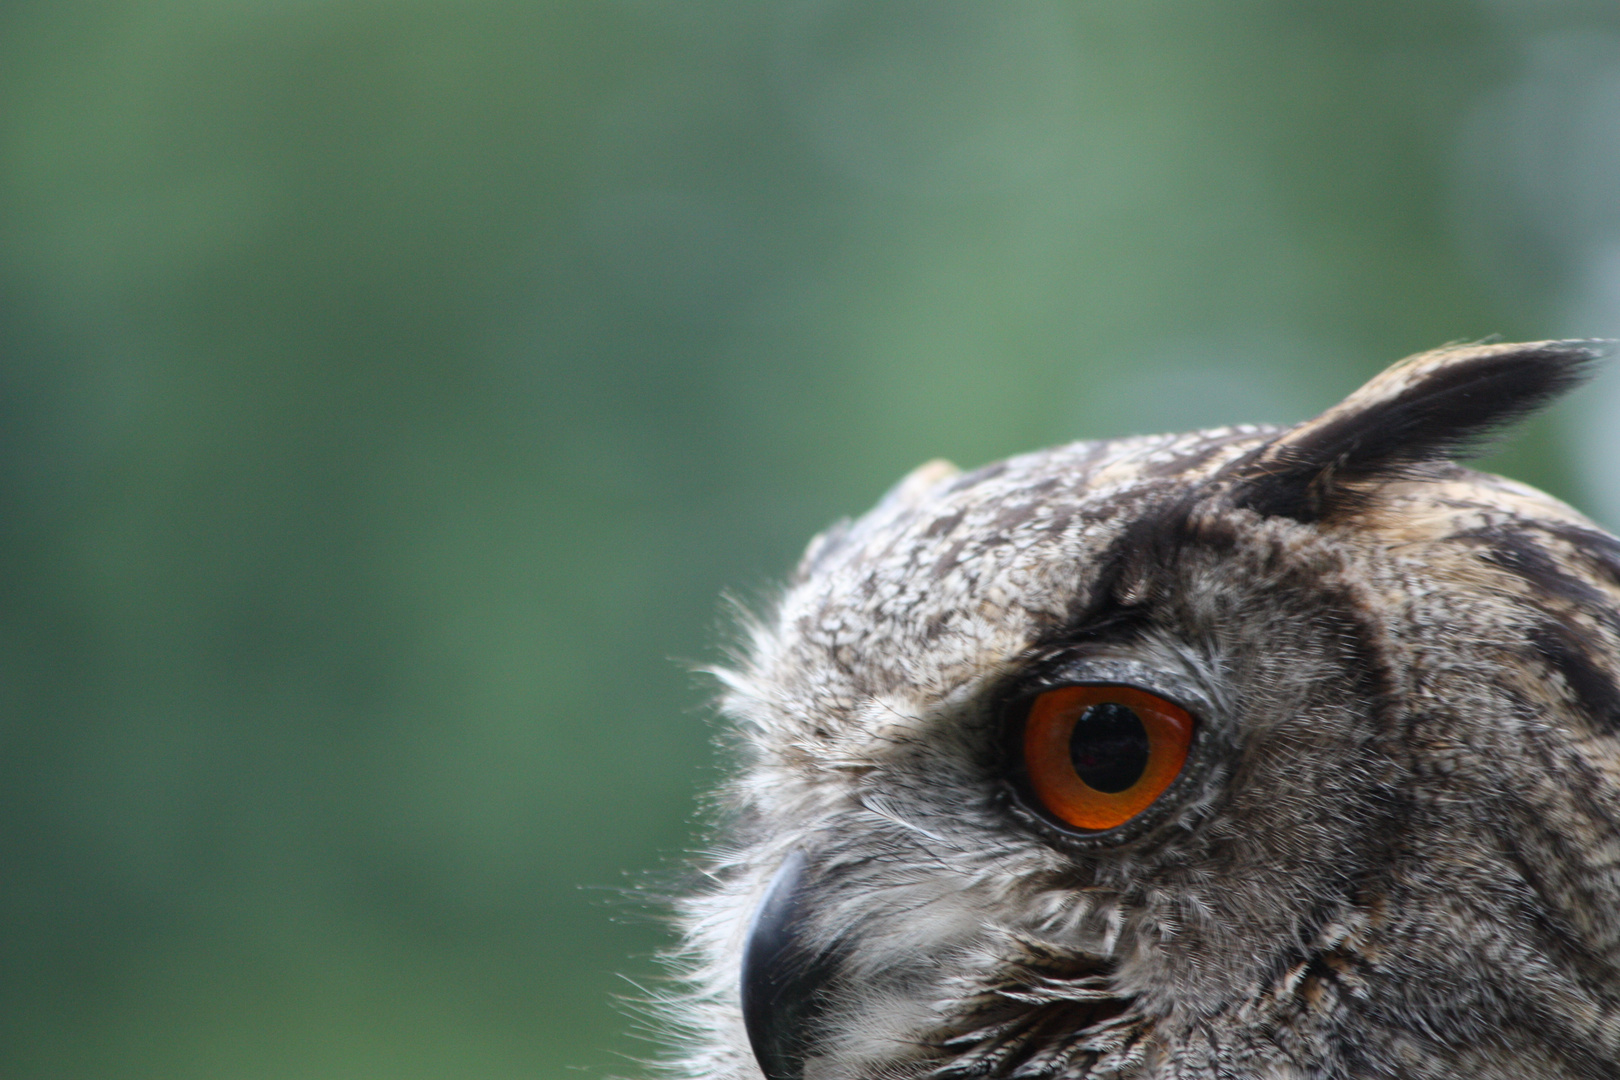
x=1099, y=755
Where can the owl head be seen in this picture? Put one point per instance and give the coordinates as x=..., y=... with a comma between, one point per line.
x=1252, y=752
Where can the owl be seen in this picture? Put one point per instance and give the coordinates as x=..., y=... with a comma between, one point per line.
x=1257, y=752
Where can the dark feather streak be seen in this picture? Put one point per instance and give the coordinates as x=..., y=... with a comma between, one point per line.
x=1562, y=649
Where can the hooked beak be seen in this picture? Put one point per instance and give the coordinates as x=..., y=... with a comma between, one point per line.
x=782, y=980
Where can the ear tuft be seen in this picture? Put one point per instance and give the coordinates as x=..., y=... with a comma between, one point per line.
x=1429, y=407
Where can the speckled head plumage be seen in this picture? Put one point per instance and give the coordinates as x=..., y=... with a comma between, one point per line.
x=1394, y=848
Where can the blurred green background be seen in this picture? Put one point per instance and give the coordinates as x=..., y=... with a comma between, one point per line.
x=388, y=390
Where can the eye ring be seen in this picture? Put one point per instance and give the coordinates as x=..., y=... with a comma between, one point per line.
x=1097, y=755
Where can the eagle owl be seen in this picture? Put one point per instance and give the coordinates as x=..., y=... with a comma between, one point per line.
x=1254, y=752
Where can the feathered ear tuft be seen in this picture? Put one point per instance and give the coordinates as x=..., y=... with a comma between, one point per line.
x=1428, y=407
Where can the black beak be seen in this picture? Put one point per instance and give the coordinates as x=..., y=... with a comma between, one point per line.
x=782, y=981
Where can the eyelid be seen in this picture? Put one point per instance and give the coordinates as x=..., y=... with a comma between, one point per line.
x=1179, y=684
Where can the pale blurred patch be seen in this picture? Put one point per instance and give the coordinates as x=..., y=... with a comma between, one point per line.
x=1539, y=206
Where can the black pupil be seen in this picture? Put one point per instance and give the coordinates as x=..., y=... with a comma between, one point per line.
x=1109, y=747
